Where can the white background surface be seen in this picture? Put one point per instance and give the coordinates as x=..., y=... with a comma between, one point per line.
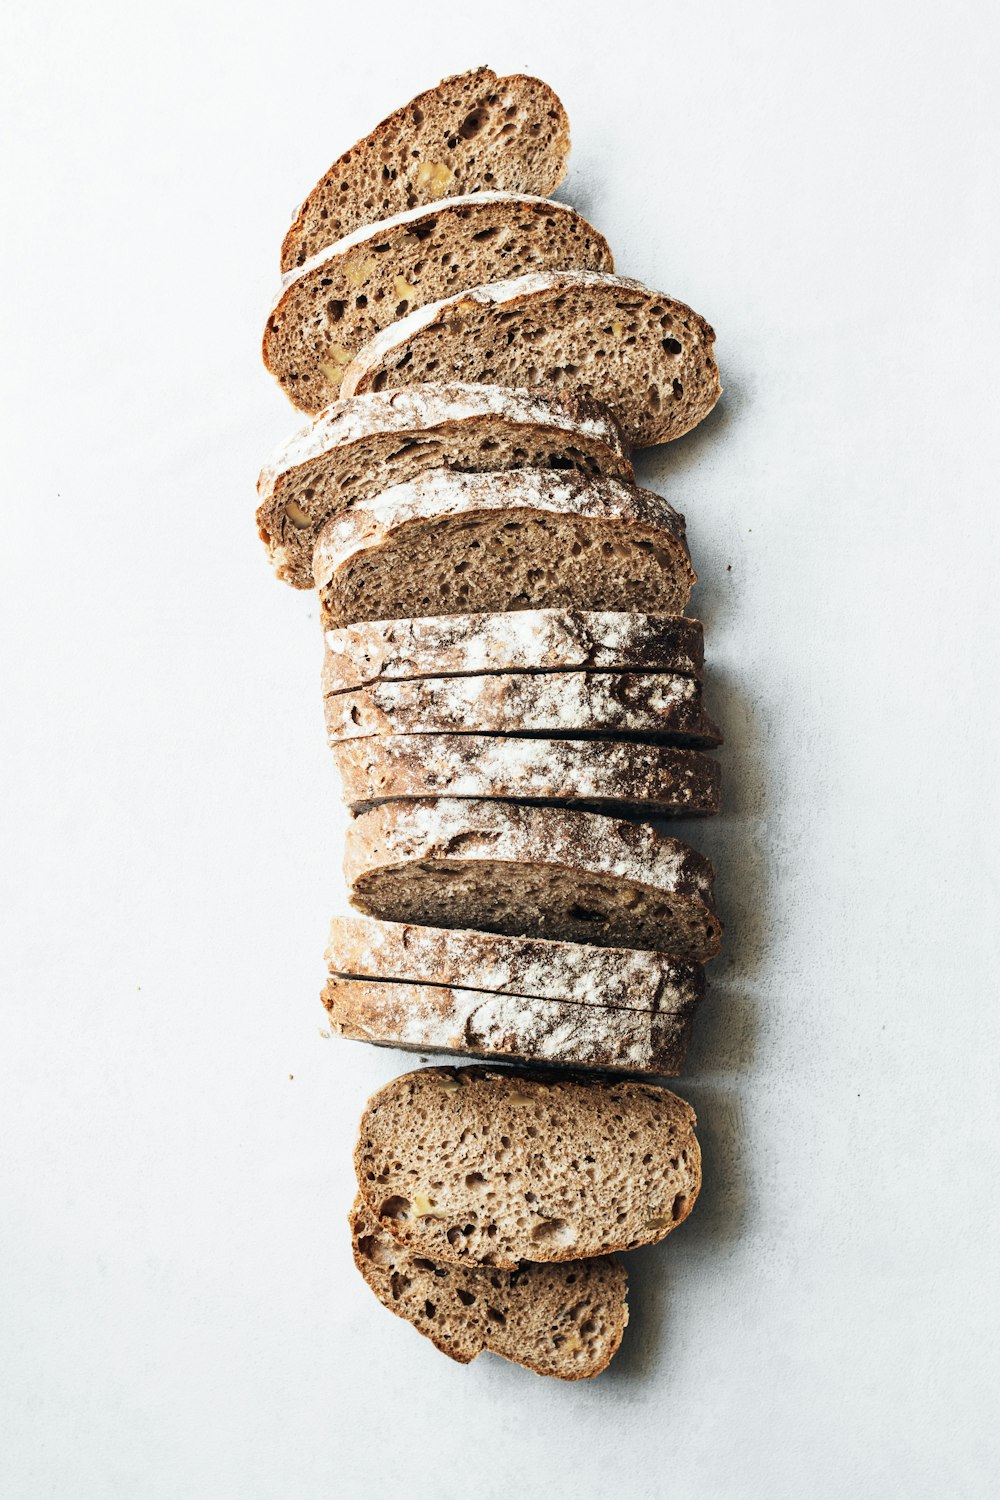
x=181, y=1320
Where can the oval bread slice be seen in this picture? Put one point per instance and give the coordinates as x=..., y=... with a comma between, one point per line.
x=653, y=707
x=656, y=780
x=478, y=1023
x=647, y=356
x=329, y=308
x=577, y=973
x=471, y=132
x=564, y=1319
x=489, y=1167
x=356, y=448
x=543, y=872
x=525, y=640
x=527, y=538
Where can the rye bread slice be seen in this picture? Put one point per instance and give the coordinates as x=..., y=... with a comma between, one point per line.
x=527, y=538
x=525, y=640
x=329, y=308
x=511, y=1028
x=495, y=1167
x=648, y=357
x=357, y=448
x=564, y=1319
x=470, y=133
x=535, y=968
x=610, y=775
x=543, y=872
x=653, y=707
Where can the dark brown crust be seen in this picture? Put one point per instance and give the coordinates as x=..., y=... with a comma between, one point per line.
x=484, y=76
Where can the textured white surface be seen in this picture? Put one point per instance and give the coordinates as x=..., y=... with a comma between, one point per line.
x=180, y=1316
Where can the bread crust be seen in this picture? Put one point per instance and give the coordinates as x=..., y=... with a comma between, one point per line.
x=602, y=774
x=324, y=210
x=525, y=640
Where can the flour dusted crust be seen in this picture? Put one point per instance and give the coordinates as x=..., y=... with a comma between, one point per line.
x=476, y=1023
x=576, y=973
x=656, y=707
x=487, y=1166
x=655, y=779
x=330, y=307
x=542, y=871
x=648, y=356
x=357, y=447
x=525, y=640
x=468, y=542
x=473, y=131
x=565, y=1319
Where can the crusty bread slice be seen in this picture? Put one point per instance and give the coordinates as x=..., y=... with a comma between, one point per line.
x=527, y=538
x=472, y=132
x=617, y=776
x=494, y=1167
x=510, y=1028
x=330, y=308
x=648, y=357
x=525, y=640
x=544, y=872
x=653, y=706
x=541, y=968
x=357, y=448
x=564, y=1319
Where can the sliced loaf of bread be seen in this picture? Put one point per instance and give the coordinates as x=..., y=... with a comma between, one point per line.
x=564, y=1319
x=647, y=356
x=357, y=448
x=525, y=539
x=330, y=308
x=543, y=872
x=470, y=133
x=655, y=707
x=493, y=1167
x=654, y=780
x=512, y=1028
x=578, y=973
x=525, y=640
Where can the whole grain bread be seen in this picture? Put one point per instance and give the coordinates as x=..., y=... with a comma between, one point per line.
x=656, y=780
x=543, y=872
x=491, y=1167
x=648, y=357
x=357, y=448
x=654, y=707
x=329, y=308
x=470, y=133
x=538, y=968
x=477, y=1023
x=564, y=1319
x=523, y=539
x=526, y=640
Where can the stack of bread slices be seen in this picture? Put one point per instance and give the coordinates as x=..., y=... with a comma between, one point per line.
x=512, y=690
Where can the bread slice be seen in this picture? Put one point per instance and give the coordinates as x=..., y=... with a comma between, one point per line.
x=542, y=872
x=472, y=132
x=648, y=357
x=526, y=640
x=539, y=968
x=356, y=448
x=652, y=779
x=495, y=1167
x=342, y=297
x=477, y=1023
x=527, y=538
x=564, y=1319
x=653, y=706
